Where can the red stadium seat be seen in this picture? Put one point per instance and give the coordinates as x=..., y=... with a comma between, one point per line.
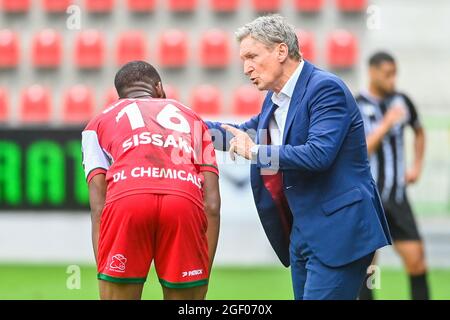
x=141, y=5
x=47, y=49
x=55, y=6
x=206, y=99
x=224, y=5
x=351, y=5
x=36, y=104
x=131, y=45
x=215, y=49
x=173, y=49
x=308, y=5
x=247, y=100
x=78, y=104
x=89, y=49
x=171, y=92
x=182, y=5
x=15, y=6
x=9, y=49
x=266, y=5
x=111, y=97
x=307, y=45
x=4, y=105
x=342, y=49
x=99, y=6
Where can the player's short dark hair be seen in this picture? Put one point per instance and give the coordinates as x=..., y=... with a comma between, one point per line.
x=135, y=71
x=379, y=57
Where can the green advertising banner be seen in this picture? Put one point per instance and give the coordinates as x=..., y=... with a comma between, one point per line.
x=41, y=169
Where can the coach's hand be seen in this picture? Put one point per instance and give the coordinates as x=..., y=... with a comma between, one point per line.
x=240, y=144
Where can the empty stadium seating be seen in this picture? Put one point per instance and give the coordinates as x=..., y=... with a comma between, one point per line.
x=141, y=5
x=131, y=45
x=171, y=92
x=173, y=49
x=182, y=5
x=224, y=5
x=99, y=6
x=89, y=49
x=351, y=5
x=35, y=104
x=55, y=6
x=4, y=105
x=206, y=100
x=266, y=5
x=15, y=6
x=215, y=49
x=308, y=5
x=167, y=39
x=78, y=105
x=342, y=49
x=47, y=49
x=110, y=97
x=9, y=49
x=307, y=45
x=247, y=100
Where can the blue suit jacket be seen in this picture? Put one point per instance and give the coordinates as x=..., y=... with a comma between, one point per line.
x=327, y=181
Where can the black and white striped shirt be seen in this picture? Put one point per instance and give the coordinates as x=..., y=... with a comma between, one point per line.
x=388, y=163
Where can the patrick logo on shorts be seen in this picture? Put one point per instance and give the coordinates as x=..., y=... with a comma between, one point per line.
x=118, y=262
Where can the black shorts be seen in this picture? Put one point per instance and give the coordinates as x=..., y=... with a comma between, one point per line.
x=401, y=221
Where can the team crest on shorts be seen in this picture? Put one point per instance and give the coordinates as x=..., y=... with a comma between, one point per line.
x=118, y=262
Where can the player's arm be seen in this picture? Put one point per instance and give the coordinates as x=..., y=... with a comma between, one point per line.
x=221, y=138
x=391, y=118
x=211, y=198
x=413, y=174
x=97, y=194
x=419, y=153
x=95, y=165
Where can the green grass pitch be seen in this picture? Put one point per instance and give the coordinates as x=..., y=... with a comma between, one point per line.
x=22, y=281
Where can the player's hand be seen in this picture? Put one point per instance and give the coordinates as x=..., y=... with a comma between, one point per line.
x=395, y=115
x=240, y=144
x=412, y=176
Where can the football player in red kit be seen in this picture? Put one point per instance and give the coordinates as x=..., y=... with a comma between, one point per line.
x=153, y=188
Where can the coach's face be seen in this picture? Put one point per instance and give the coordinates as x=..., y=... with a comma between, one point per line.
x=262, y=64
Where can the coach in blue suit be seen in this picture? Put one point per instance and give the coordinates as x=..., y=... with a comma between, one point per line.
x=310, y=175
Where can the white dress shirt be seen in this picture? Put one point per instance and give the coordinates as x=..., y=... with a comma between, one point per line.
x=283, y=100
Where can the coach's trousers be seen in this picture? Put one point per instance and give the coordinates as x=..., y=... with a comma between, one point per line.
x=312, y=280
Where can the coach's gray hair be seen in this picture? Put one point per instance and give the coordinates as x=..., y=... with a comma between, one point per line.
x=271, y=30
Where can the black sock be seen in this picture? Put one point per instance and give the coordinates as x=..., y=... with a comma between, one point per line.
x=419, y=287
x=365, y=293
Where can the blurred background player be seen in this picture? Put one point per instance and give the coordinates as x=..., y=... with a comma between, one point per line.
x=386, y=113
x=153, y=187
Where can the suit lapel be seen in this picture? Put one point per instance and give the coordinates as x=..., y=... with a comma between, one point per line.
x=299, y=92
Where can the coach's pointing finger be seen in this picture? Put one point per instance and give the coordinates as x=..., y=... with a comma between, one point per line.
x=241, y=144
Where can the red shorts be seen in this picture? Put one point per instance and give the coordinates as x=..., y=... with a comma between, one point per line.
x=138, y=228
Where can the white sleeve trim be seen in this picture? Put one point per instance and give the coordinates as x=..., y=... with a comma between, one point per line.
x=93, y=155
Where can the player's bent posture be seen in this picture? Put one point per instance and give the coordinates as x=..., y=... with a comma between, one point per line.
x=153, y=188
x=386, y=113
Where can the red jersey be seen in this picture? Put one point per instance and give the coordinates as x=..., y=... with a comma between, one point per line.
x=149, y=146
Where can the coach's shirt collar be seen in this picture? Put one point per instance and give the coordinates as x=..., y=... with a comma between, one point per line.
x=288, y=90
